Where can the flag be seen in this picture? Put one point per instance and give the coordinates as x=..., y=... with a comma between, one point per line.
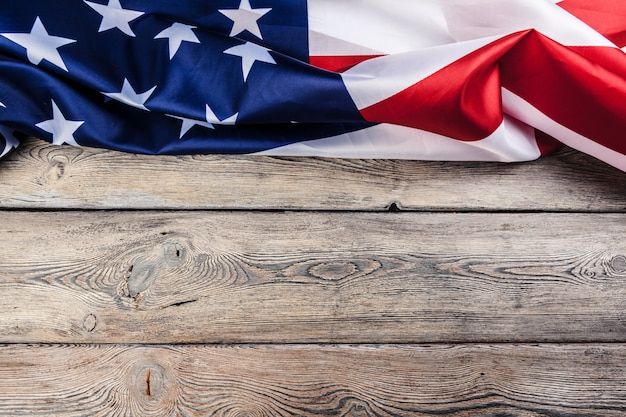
x=494, y=80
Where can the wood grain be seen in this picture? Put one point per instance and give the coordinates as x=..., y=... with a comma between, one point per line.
x=272, y=381
x=127, y=291
x=40, y=176
x=241, y=277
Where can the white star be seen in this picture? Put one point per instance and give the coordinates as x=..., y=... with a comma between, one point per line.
x=40, y=45
x=210, y=119
x=177, y=33
x=189, y=123
x=62, y=129
x=250, y=53
x=114, y=16
x=10, y=141
x=130, y=97
x=245, y=18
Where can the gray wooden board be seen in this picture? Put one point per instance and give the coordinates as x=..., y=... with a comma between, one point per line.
x=241, y=277
x=303, y=380
x=118, y=295
x=40, y=175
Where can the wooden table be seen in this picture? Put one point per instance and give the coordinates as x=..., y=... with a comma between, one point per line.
x=259, y=286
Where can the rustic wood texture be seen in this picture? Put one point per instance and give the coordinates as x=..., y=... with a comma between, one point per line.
x=271, y=381
x=240, y=277
x=40, y=175
x=214, y=286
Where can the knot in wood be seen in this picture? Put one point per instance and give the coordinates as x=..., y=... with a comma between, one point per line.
x=333, y=271
x=618, y=264
x=174, y=253
x=152, y=389
x=90, y=322
x=138, y=279
x=55, y=170
x=357, y=408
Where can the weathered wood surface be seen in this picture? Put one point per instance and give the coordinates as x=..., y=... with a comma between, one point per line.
x=271, y=381
x=241, y=277
x=118, y=294
x=40, y=175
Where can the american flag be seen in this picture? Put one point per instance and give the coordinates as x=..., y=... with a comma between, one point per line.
x=498, y=80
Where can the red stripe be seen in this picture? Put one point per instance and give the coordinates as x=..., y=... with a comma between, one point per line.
x=606, y=16
x=462, y=100
x=546, y=143
x=339, y=63
x=581, y=88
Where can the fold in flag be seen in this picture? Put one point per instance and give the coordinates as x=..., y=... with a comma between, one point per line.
x=495, y=80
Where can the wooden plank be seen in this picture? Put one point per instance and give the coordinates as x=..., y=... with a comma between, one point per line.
x=271, y=381
x=40, y=175
x=211, y=277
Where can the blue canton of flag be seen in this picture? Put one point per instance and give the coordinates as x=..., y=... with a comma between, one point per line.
x=157, y=77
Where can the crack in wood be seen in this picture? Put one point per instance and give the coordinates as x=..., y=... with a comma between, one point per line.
x=148, y=391
x=178, y=304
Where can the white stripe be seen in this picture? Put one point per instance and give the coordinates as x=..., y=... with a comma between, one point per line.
x=356, y=27
x=469, y=19
x=522, y=110
x=321, y=44
x=512, y=141
x=339, y=27
x=378, y=79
